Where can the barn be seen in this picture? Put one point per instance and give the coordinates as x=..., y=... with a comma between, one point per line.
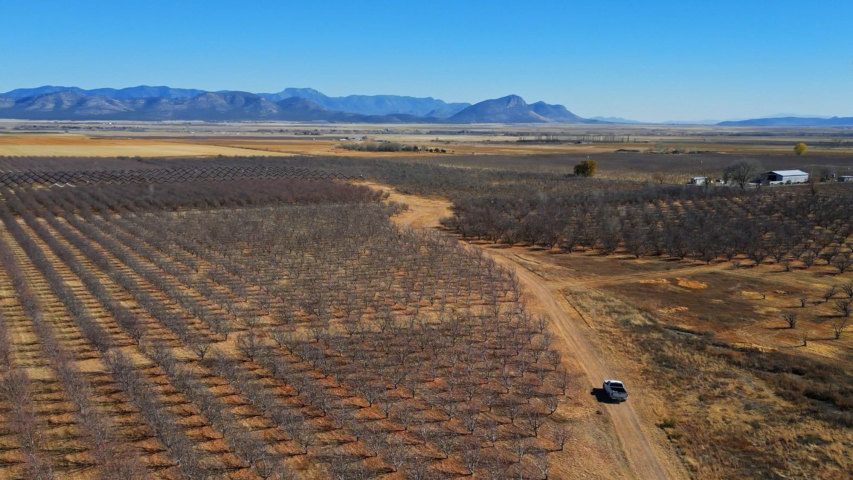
x=779, y=177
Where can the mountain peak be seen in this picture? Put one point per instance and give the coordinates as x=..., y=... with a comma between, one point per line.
x=513, y=109
x=372, y=104
x=513, y=101
x=43, y=90
x=303, y=90
x=556, y=113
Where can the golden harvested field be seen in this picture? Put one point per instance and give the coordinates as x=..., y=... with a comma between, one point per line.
x=69, y=145
x=48, y=145
x=323, y=146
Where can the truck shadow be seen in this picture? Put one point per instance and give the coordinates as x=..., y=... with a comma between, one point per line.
x=601, y=396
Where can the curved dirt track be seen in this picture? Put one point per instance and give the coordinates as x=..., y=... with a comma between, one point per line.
x=644, y=461
x=636, y=446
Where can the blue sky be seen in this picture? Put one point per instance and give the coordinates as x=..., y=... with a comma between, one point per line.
x=647, y=60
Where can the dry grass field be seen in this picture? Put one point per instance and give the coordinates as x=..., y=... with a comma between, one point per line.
x=170, y=139
x=64, y=145
x=478, y=146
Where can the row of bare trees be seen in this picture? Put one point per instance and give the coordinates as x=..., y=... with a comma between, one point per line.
x=6, y=348
x=182, y=448
x=206, y=195
x=164, y=424
x=341, y=296
x=15, y=383
x=361, y=346
x=246, y=443
x=23, y=424
x=683, y=223
x=115, y=457
x=20, y=415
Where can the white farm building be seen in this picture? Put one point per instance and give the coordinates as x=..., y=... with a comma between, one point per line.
x=781, y=177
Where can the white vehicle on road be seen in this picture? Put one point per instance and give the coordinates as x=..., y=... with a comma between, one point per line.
x=615, y=390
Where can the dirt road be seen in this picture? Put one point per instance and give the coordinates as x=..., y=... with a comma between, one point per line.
x=634, y=441
x=646, y=457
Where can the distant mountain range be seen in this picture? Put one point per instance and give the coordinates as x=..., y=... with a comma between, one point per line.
x=360, y=104
x=208, y=106
x=791, y=122
x=306, y=104
x=142, y=91
x=616, y=120
x=293, y=104
x=373, y=104
x=779, y=120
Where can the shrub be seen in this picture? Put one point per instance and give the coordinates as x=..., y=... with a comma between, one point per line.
x=586, y=168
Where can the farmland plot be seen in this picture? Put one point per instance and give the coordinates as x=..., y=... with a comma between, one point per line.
x=292, y=331
x=752, y=227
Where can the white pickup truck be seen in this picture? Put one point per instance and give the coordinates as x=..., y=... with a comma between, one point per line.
x=615, y=390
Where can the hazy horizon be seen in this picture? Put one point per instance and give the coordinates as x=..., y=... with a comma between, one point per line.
x=660, y=61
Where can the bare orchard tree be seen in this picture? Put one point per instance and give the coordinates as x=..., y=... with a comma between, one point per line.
x=561, y=435
x=540, y=460
x=741, y=172
x=839, y=324
x=791, y=319
x=396, y=453
x=5, y=345
x=842, y=261
x=472, y=454
x=809, y=257
x=843, y=307
x=562, y=380
x=200, y=346
x=249, y=345
x=830, y=293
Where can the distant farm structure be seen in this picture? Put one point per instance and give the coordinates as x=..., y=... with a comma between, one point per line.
x=780, y=177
